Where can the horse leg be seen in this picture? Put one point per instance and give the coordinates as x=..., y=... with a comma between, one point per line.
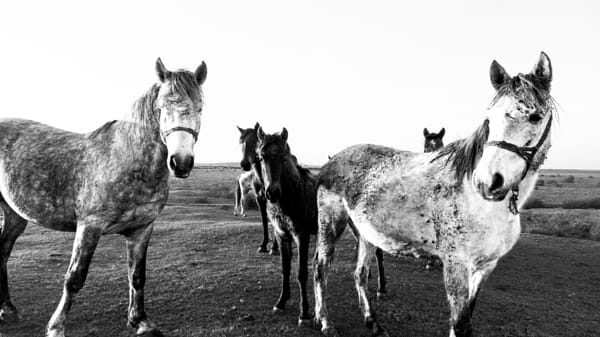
x=12, y=227
x=302, y=242
x=381, y=281
x=286, y=266
x=86, y=239
x=366, y=252
x=137, y=245
x=463, y=282
x=262, y=206
x=236, y=204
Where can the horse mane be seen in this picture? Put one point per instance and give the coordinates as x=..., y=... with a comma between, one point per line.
x=527, y=89
x=101, y=130
x=181, y=82
x=462, y=155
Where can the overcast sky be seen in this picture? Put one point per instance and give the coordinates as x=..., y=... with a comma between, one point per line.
x=334, y=73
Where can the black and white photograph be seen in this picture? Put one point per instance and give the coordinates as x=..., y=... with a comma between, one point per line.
x=300, y=168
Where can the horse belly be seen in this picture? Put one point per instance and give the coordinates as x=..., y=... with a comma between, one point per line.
x=36, y=207
x=397, y=233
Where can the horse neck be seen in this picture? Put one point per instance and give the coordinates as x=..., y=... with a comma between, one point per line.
x=291, y=179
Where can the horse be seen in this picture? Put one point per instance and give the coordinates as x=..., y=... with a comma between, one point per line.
x=460, y=203
x=433, y=141
x=114, y=180
x=249, y=163
x=291, y=196
x=243, y=187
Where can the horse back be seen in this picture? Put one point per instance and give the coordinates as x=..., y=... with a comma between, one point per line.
x=349, y=172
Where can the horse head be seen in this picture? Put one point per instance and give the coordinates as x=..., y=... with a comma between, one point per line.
x=273, y=153
x=180, y=103
x=433, y=141
x=519, y=121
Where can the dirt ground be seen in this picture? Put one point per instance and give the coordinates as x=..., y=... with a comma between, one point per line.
x=206, y=279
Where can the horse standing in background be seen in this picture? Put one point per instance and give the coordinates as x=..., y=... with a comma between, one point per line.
x=250, y=163
x=460, y=203
x=292, y=209
x=433, y=141
x=242, y=189
x=110, y=181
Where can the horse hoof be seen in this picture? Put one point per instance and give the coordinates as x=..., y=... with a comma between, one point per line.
x=274, y=252
x=382, y=295
x=305, y=323
x=244, y=215
x=55, y=333
x=149, y=332
x=330, y=332
x=277, y=310
x=235, y=214
x=262, y=249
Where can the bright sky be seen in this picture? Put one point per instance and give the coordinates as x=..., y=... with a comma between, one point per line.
x=334, y=73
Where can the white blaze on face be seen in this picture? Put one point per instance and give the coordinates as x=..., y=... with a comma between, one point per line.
x=505, y=124
x=178, y=118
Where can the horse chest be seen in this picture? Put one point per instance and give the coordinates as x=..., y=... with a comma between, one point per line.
x=281, y=222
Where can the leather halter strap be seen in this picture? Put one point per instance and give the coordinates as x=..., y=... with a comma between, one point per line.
x=191, y=131
x=527, y=153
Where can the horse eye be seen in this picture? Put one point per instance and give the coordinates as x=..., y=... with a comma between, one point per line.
x=508, y=116
x=535, y=118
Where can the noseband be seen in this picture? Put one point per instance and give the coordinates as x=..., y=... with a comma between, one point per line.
x=192, y=132
x=527, y=154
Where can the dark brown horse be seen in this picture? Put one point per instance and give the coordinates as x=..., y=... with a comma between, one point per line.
x=249, y=163
x=433, y=141
x=292, y=209
x=110, y=181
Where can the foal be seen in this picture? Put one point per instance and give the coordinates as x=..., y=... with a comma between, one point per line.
x=292, y=209
x=250, y=163
x=460, y=203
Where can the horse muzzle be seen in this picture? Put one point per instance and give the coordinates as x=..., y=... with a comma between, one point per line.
x=245, y=165
x=495, y=190
x=181, y=165
x=273, y=194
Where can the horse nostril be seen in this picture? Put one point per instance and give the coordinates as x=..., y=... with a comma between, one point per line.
x=191, y=163
x=172, y=163
x=497, y=182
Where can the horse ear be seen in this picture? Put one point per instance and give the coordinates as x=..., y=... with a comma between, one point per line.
x=200, y=73
x=425, y=132
x=442, y=133
x=542, y=70
x=161, y=71
x=260, y=134
x=498, y=75
x=241, y=130
x=256, y=126
x=284, y=135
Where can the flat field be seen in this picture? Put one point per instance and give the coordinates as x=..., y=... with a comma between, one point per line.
x=206, y=279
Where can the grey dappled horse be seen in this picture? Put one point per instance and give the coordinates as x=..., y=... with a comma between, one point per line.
x=459, y=203
x=113, y=180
